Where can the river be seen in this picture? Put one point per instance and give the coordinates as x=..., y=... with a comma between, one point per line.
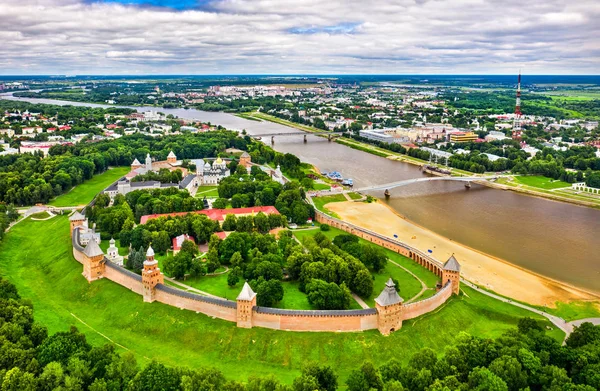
x=558, y=240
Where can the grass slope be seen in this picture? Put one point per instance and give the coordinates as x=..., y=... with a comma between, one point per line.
x=85, y=192
x=541, y=182
x=36, y=256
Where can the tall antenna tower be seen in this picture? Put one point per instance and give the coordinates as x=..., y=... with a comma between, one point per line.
x=517, y=122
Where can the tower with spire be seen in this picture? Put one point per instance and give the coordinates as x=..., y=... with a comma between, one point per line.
x=246, y=301
x=93, y=261
x=517, y=121
x=151, y=276
x=451, y=274
x=389, y=309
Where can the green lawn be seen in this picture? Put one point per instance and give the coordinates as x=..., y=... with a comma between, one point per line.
x=355, y=196
x=217, y=285
x=208, y=191
x=321, y=186
x=320, y=202
x=45, y=272
x=85, y=192
x=541, y=182
x=40, y=215
x=409, y=285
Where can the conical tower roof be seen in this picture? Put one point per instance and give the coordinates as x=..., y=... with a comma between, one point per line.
x=76, y=216
x=247, y=294
x=452, y=264
x=92, y=249
x=389, y=295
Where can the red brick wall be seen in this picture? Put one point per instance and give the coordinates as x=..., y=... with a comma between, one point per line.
x=196, y=305
x=315, y=323
x=124, y=280
x=419, y=308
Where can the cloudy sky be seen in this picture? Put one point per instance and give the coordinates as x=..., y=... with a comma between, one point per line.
x=299, y=36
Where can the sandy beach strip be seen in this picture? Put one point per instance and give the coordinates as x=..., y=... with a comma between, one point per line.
x=485, y=270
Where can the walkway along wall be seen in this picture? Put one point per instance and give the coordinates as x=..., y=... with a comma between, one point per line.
x=387, y=317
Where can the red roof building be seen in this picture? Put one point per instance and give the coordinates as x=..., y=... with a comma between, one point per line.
x=178, y=242
x=216, y=214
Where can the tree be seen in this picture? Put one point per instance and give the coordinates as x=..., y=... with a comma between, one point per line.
x=220, y=203
x=267, y=292
x=509, y=369
x=229, y=224
x=483, y=379
x=161, y=241
x=156, y=377
x=261, y=223
x=189, y=247
x=365, y=378
x=363, y=283
x=585, y=334
x=179, y=265
x=325, y=376
x=245, y=224
x=233, y=278
x=328, y=296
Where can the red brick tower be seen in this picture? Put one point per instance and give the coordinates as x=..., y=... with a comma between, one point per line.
x=451, y=273
x=389, y=309
x=76, y=220
x=246, y=301
x=93, y=261
x=151, y=276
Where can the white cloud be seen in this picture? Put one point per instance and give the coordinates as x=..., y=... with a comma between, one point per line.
x=301, y=36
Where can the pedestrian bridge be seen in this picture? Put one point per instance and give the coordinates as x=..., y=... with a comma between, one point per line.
x=406, y=182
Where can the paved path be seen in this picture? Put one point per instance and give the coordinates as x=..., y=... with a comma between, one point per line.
x=424, y=286
x=360, y=301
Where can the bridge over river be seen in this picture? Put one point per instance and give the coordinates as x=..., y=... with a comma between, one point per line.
x=466, y=179
x=330, y=135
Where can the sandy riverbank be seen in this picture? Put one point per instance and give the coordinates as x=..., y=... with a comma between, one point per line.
x=495, y=274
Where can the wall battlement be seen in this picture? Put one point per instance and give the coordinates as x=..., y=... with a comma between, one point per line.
x=387, y=316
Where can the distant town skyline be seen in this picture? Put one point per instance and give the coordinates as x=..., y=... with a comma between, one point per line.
x=132, y=37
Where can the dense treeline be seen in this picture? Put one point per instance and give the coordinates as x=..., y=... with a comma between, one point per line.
x=327, y=273
x=8, y=214
x=257, y=189
x=28, y=179
x=532, y=104
x=132, y=206
x=521, y=359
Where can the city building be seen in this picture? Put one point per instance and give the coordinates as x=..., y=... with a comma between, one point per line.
x=462, y=137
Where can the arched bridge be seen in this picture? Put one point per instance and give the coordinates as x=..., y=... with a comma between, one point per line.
x=330, y=135
x=405, y=182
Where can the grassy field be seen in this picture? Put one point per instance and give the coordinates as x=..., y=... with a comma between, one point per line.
x=321, y=186
x=355, y=196
x=320, y=202
x=45, y=272
x=40, y=215
x=217, y=285
x=85, y=192
x=541, y=182
x=208, y=191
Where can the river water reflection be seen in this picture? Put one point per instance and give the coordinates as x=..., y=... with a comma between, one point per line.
x=559, y=240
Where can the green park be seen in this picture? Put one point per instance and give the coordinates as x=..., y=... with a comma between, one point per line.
x=45, y=272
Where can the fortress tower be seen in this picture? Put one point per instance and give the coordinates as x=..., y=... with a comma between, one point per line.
x=93, y=261
x=151, y=276
x=171, y=158
x=389, y=309
x=76, y=220
x=451, y=273
x=245, y=159
x=246, y=301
